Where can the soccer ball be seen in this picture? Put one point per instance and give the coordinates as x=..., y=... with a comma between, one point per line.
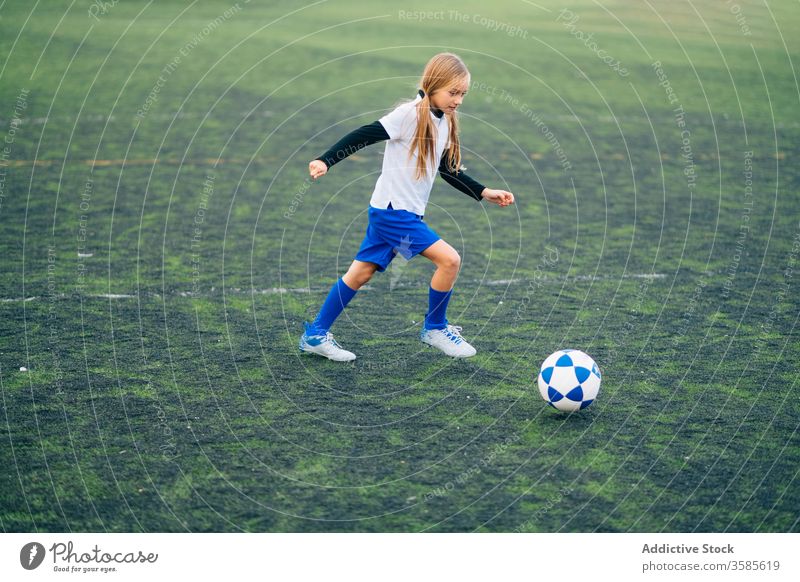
x=569, y=380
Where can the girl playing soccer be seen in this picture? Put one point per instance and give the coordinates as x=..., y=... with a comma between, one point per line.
x=422, y=139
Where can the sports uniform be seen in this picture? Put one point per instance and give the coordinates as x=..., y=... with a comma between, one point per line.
x=396, y=224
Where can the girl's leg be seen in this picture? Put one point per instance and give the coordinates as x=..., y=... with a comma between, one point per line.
x=340, y=295
x=359, y=273
x=448, y=262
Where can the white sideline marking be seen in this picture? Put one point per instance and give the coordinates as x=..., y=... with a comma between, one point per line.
x=495, y=282
x=284, y=290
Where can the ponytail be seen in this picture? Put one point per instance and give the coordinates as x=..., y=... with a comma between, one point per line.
x=440, y=73
x=424, y=140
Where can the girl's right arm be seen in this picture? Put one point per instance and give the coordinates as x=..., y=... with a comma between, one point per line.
x=349, y=144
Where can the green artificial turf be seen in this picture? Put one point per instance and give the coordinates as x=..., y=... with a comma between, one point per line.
x=162, y=245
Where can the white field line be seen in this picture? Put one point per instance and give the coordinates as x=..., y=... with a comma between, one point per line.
x=723, y=118
x=416, y=284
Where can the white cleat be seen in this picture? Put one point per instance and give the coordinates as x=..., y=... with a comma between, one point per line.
x=448, y=340
x=325, y=345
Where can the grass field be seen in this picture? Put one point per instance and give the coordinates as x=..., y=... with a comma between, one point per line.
x=162, y=245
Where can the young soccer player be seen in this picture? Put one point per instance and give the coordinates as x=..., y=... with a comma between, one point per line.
x=422, y=139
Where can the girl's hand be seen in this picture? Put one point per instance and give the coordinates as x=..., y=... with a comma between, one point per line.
x=499, y=197
x=317, y=168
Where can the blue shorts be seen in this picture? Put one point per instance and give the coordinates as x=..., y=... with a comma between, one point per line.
x=391, y=232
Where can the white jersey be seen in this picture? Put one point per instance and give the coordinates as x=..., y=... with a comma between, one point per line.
x=397, y=183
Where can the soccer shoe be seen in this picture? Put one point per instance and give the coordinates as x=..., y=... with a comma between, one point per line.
x=324, y=345
x=448, y=340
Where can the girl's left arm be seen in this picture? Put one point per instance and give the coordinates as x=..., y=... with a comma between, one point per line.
x=463, y=183
x=460, y=181
x=499, y=197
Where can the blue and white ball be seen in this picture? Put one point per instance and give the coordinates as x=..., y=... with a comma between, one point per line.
x=569, y=380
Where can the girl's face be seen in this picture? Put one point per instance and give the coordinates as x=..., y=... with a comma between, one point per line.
x=450, y=98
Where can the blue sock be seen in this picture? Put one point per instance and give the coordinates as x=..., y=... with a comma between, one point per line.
x=338, y=298
x=436, y=318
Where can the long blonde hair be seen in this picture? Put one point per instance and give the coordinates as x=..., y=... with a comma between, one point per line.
x=442, y=71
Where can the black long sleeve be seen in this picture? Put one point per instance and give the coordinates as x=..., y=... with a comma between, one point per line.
x=375, y=132
x=460, y=181
x=354, y=141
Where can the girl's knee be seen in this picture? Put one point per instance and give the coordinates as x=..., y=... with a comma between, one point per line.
x=359, y=275
x=451, y=262
x=366, y=275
